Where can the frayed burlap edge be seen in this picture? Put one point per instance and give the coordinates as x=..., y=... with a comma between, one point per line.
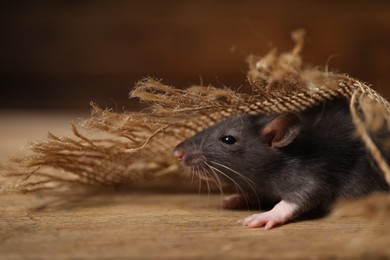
x=118, y=149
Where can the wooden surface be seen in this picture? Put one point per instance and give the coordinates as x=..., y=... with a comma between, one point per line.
x=161, y=224
x=167, y=225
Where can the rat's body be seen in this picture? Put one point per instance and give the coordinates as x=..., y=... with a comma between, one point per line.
x=305, y=161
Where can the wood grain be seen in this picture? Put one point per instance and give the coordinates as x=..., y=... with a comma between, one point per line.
x=164, y=223
x=153, y=225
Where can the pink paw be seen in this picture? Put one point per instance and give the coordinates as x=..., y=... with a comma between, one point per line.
x=280, y=214
x=266, y=219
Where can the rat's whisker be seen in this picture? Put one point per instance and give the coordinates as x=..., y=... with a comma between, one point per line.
x=192, y=177
x=248, y=180
x=200, y=180
x=204, y=174
x=250, y=183
x=203, y=177
x=232, y=180
x=206, y=177
x=192, y=172
x=215, y=178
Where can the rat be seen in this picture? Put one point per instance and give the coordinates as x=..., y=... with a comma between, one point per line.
x=303, y=161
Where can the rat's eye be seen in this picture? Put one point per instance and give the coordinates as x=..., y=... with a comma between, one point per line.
x=228, y=139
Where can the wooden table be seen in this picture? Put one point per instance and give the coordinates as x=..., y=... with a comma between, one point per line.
x=165, y=224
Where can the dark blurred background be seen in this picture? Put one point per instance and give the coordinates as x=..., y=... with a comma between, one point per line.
x=60, y=55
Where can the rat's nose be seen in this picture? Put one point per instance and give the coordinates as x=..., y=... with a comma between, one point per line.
x=179, y=154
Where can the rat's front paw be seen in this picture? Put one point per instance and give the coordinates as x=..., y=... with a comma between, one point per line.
x=280, y=214
x=266, y=219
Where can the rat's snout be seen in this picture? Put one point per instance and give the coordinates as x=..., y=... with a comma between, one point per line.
x=179, y=154
x=188, y=158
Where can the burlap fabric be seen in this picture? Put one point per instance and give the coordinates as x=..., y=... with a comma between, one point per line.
x=128, y=148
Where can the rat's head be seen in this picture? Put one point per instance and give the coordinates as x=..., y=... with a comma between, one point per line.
x=239, y=145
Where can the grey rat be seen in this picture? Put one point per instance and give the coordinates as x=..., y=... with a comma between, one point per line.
x=303, y=161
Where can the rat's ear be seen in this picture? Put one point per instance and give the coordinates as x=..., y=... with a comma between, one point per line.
x=282, y=130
